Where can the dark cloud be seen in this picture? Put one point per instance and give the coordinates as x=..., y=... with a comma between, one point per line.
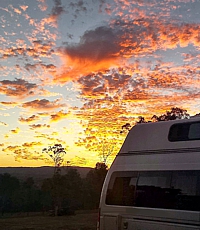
x=38, y=126
x=57, y=10
x=29, y=119
x=101, y=84
x=79, y=6
x=122, y=38
x=91, y=82
x=97, y=51
x=34, y=67
x=96, y=45
x=39, y=49
x=42, y=104
x=126, y=38
x=30, y=67
x=105, y=46
x=17, y=88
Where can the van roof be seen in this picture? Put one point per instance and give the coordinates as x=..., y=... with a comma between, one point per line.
x=153, y=136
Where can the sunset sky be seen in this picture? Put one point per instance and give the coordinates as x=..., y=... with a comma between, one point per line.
x=74, y=71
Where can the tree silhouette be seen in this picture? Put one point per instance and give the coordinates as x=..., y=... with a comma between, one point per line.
x=93, y=185
x=106, y=147
x=8, y=186
x=173, y=114
x=65, y=192
x=30, y=196
x=127, y=126
x=56, y=153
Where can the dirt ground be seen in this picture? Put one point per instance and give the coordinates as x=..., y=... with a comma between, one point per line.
x=79, y=221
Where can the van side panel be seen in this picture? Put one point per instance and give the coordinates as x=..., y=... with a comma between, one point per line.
x=156, y=183
x=115, y=217
x=154, y=225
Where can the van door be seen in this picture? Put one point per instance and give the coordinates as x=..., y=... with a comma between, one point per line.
x=120, y=194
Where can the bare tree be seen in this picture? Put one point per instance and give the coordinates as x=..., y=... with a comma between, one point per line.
x=56, y=153
x=106, y=150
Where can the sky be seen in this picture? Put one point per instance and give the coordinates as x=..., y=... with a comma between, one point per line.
x=72, y=72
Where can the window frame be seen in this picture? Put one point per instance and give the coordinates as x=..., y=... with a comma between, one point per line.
x=172, y=196
x=177, y=128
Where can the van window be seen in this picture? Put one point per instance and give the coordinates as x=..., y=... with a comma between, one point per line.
x=165, y=189
x=121, y=189
x=194, y=131
x=153, y=189
x=184, y=132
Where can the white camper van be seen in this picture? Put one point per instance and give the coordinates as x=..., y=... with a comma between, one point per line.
x=154, y=181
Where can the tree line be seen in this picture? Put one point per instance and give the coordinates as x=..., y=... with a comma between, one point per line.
x=68, y=192
x=173, y=114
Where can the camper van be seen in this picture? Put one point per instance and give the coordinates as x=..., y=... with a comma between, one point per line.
x=154, y=181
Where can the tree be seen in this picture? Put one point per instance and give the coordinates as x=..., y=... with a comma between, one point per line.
x=8, y=187
x=127, y=126
x=65, y=191
x=93, y=185
x=30, y=196
x=56, y=153
x=73, y=189
x=106, y=148
x=54, y=188
x=173, y=114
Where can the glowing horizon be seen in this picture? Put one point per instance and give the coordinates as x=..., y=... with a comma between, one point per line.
x=74, y=72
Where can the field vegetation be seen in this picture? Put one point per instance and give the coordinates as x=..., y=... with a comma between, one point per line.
x=82, y=220
x=61, y=202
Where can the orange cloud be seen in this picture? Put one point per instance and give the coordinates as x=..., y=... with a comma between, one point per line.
x=42, y=6
x=103, y=47
x=96, y=51
x=58, y=116
x=15, y=131
x=9, y=104
x=29, y=119
x=31, y=144
x=17, y=11
x=21, y=152
x=23, y=7
x=17, y=88
x=78, y=161
x=37, y=50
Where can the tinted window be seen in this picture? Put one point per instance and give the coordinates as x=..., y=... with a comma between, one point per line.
x=166, y=189
x=185, y=132
x=153, y=189
x=121, y=189
x=194, y=131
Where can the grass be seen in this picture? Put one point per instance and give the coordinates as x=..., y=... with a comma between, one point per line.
x=81, y=221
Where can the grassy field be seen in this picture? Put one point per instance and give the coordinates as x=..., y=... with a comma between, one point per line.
x=80, y=221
